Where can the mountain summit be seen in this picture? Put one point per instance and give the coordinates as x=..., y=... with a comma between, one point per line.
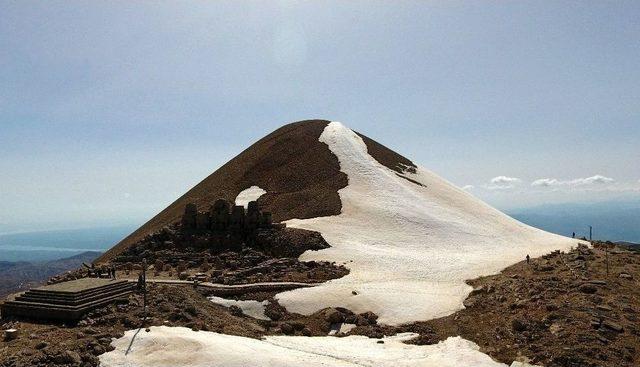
x=299, y=173
x=401, y=230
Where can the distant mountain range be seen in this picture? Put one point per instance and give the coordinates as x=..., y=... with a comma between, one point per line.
x=17, y=276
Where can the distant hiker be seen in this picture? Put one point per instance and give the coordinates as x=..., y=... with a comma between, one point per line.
x=113, y=272
x=528, y=258
x=140, y=281
x=573, y=235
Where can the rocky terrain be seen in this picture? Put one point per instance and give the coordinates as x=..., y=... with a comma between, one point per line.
x=268, y=255
x=558, y=310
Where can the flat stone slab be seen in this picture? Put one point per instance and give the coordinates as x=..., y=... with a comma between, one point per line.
x=79, y=285
x=67, y=300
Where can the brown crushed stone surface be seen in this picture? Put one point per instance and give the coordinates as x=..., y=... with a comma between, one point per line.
x=388, y=157
x=300, y=174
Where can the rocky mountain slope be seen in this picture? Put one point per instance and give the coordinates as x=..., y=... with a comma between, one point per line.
x=300, y=174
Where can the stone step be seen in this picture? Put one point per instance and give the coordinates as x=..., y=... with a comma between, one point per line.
x=67, y=300
x=49, y=311
x=56, y=300
x=59, y=290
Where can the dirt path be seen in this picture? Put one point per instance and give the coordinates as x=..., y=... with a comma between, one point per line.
x=234, y=289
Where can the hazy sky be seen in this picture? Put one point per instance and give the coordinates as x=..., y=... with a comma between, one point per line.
x=110, y=110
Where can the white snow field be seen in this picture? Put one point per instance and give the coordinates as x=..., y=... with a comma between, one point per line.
x=250, y=194
x=409, y=248
x=251, y=308
x=178, y=346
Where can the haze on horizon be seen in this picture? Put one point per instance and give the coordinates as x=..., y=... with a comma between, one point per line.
x=110, y=111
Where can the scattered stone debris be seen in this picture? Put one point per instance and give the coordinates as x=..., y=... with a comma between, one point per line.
x=264, y=255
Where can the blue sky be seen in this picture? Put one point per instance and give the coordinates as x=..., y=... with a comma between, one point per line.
x=111, y=110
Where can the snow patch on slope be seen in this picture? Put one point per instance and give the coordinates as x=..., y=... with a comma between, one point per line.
x=177, y=346
x=250, y=194
x=251, y=308
x=412, y=247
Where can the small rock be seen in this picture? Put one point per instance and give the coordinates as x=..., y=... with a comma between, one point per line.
x=370, y=316
x=98, y=349
x=71, y=357
x=598, y=282
x=286, y=329
x=10, y=334
x=518, y=325
x=613, y=326
x=235, y=310
x=625, y=276
x=273, y=314
x=476, y=291
x=306, y=332
x=333, y=316
x=587, y=288
x=551, y=307
x=468, y=303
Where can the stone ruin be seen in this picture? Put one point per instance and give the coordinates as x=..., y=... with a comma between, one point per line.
x=223, y=217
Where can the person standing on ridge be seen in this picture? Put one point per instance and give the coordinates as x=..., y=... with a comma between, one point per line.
x=528, y=258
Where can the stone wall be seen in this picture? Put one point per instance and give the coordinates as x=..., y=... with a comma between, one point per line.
x=224, y=217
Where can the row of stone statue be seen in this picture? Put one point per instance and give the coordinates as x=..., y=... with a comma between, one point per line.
x=222, y=217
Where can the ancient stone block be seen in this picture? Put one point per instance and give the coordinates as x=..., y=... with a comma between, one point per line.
x=252, y=220
x=237, y=218
x=266, y=219
x=219, y=214
x=189, y=216
x=252, y=207
x=202, y=221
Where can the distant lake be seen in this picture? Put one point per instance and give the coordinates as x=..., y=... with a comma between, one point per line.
x=51, y=245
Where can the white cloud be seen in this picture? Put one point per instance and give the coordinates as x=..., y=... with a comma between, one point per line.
x=503, y=183
x=546, y=182
x=597, y=179
x=468, y=187
x=503, y=180
x=554, y=182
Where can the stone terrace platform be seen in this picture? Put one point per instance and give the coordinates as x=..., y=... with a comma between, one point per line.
x=67, y=300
